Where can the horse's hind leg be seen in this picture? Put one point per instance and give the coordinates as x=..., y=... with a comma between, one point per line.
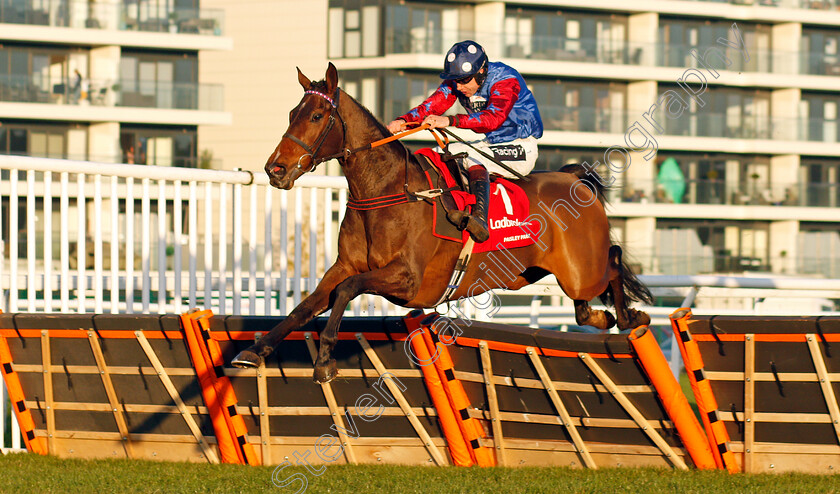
x=585, y=316
x=626, y=317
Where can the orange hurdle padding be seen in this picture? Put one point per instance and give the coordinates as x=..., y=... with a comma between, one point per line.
x=470, y=428
x=675, y=403
x=706, y=402
x=16, y=398
x=204, y=371
x=224, y=389
x=458, y=448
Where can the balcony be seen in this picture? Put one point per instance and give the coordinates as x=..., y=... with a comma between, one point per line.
x=126, y=16
x=731, y=193
x=436, y=41
x=576, y=49
x=766, y=61
x=606, y=51
x=135, y=94
x=583, y=119
x=788, y=4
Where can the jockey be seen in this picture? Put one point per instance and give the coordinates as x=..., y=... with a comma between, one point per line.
x=499, y=105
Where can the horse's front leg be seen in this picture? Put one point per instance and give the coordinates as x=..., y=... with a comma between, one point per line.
x=316, y=303
x=394, y=280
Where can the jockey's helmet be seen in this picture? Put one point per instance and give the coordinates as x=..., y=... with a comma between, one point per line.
x=463, y=60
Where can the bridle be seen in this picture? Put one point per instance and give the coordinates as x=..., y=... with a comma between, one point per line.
x=312, y=150
x=352, y=203
x=345, y=152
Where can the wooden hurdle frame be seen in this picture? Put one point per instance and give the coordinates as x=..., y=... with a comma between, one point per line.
x=159, y=387
x=474, y=355
x=420, y=442
x=86, y=398
x=772, y=384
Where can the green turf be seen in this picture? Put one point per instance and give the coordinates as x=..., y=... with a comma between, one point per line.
x=24, y=473
x=685, y=384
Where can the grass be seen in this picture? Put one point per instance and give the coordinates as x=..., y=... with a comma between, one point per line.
x=685, y=384
x=23, y=473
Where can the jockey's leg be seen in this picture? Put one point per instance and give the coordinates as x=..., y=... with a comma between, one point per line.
x=480, y=187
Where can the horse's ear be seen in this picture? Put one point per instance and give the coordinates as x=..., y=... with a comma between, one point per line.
x=331, y=78
x=303, y=80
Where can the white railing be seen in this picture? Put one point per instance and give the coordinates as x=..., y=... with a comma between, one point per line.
x=162, y=239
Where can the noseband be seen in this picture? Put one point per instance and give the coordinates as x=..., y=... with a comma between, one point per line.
x=311, y=151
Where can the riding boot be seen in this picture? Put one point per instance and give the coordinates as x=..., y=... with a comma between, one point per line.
x=480, y=187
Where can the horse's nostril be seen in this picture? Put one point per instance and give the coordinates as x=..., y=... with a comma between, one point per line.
x=276, y=170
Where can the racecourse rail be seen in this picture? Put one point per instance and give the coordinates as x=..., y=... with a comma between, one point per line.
x=225, y=241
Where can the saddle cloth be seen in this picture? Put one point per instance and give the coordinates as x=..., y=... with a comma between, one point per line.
x=508, y=209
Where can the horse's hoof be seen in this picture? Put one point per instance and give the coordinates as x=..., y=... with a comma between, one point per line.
x=637, y=318
x=325, y=373
x=609, y=320
x=246, y=359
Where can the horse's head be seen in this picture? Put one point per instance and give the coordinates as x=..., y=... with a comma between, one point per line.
x=315, y=133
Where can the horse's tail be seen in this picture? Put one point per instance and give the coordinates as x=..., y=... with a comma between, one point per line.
x=634, y=289
x=594, y=183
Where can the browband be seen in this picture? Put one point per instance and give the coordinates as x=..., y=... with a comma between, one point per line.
x=310, y=91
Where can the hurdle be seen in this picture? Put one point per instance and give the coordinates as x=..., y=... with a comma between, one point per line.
x=160, y=387
x=767, y=388
x=105, y=386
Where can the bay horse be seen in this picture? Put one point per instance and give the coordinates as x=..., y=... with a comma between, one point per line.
x=392, y=252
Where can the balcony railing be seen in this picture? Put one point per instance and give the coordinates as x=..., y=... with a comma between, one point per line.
x=697, y=124
x=583, y=119
x=143, y=94
x=788, y=4
x=720, y=191
x=576, y=49
x=423, y=41
x=135, y=16
x=608, y=51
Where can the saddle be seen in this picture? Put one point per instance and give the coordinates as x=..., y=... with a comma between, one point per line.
x=444, y=173
x=508, y=209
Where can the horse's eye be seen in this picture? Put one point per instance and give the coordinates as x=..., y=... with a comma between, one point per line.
x=316, y=117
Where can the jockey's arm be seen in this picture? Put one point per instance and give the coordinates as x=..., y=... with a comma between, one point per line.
x=441, y=100
x=503, y=95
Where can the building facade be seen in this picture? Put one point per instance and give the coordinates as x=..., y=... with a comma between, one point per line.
x=742, y=96
x=109, y=81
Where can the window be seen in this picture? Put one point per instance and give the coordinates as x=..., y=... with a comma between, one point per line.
x=728, y=112
x=161, y=147
x=355, y=25
x=821, y=116
x=43, y=140
x=686, y=246
x=353, y=28
x=556, y=35
x=42, y=75
x=821, y=51
x=579, y=106
x=678, y=36
x=819, y=178
x=159, y=80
